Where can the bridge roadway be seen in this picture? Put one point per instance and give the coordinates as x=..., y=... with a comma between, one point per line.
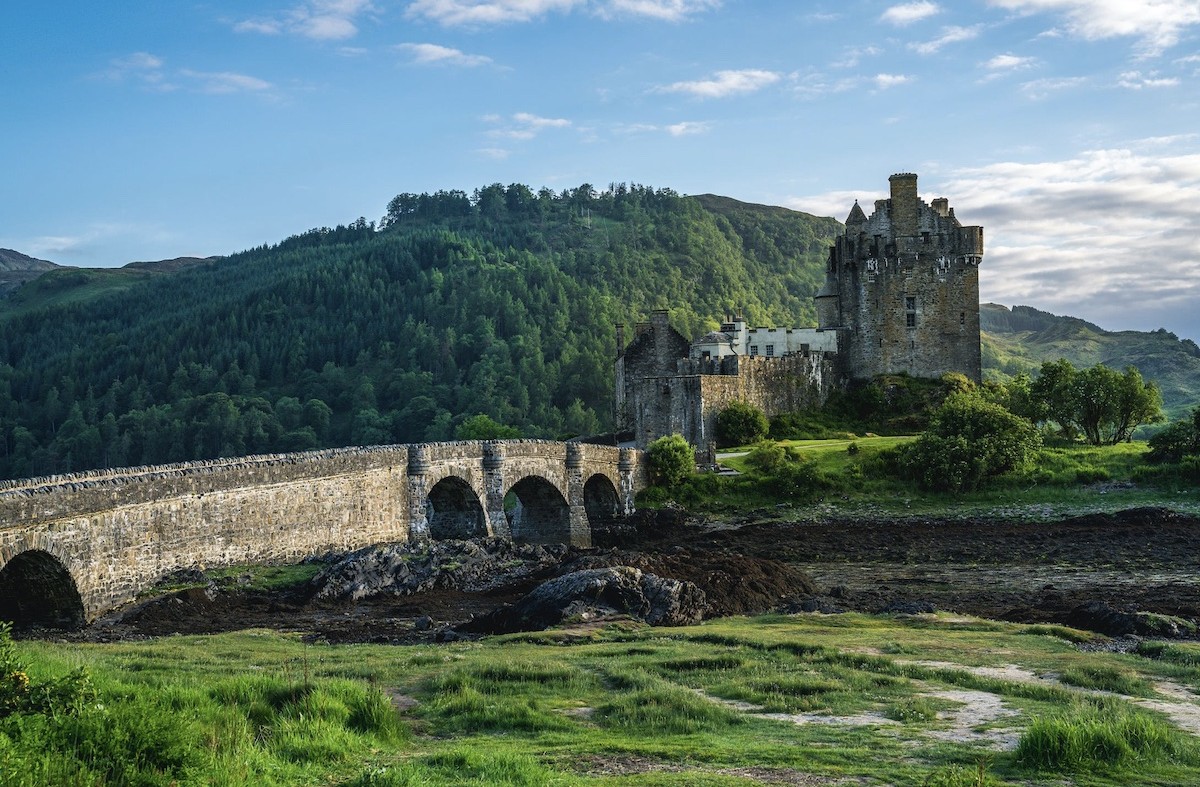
x=73, y=547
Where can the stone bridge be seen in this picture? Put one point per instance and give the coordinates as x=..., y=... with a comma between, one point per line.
x=73, y=547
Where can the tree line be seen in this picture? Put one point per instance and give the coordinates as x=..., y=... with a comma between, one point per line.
x=500, y=303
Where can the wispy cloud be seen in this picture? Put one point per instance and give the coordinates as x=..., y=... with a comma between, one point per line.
x=1136, y=80
x=683, y=128
x=853, y=55
x=907, y=13
x=725, y=83
x=1156, y=24
x=223, y=82
x=522, y=125
x=1039, y=89
x=150, y=71
x=665, y=10
x=950, y=35
x=479, y=13
x=1009, y=62
x=1073, y=236
x=141, y=68
x=322, y=20
x=885, y=81
x=435, y=54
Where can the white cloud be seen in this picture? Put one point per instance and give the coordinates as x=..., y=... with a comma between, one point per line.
x=1076, y=236
x=666, y=10
x=884, y=81
x=1156, y=24
x=523, y=125
x=487, y=12
x=321, y=20
x=950, y=35
x=222, y=82
x=682, y=129
x=725, y=83
x=907, y=13
x=688, y=127
x=1039, y=89
x=140, y=68
x=497, y=154
x=435, y=54
x=1136, y=80
x=854, y=55
x=1107, y=235
x=1009, y=62
x=477, y=13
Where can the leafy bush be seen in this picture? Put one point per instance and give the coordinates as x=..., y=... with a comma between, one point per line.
x=969, y=441
x=741, y=424
x=1178, y=440
x=672, y=459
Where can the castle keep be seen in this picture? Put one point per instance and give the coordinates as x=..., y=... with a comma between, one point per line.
x=901, y=296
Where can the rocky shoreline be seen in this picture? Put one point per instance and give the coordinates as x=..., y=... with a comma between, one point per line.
x=1130, y=573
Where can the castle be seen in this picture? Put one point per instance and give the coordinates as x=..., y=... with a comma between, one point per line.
x=901, y=296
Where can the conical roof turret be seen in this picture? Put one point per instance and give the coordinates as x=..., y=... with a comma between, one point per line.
x=856, y=216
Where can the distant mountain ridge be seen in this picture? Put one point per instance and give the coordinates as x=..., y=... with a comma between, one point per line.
x=1022, y=338
x=502, y=303
x=17, y=268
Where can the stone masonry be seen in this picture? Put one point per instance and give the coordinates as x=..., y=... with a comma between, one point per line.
x=901, y=296
x=97, y=538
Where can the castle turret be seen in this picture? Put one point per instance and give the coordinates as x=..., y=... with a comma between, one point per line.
x=906, y=204
x=902, y=288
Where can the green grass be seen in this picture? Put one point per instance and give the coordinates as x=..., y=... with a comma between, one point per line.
x=852, y=480
x=620, y=706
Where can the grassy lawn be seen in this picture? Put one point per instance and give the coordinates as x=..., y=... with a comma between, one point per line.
x=939, y=700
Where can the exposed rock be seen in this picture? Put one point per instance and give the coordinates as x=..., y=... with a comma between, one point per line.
x=1099, y=616
x=598, y=593
x=900, y=607
x=480, y=566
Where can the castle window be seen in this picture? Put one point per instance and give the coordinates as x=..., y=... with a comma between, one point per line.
x=910, y=309
x=910, y=320
x=910, y=303
x=962, y=318
x=770, y=350
x=753, y=350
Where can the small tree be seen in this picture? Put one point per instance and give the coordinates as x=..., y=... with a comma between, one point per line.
x=969, y=441
x=1107, y=406
x=741, y=423
x=672, y=459
x=482, y=427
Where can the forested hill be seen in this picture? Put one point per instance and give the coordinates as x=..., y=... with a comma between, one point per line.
x=1021, y=339
x=502, y=303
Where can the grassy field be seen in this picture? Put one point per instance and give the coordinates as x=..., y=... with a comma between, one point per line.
x=809, y=699
x=1064, y=480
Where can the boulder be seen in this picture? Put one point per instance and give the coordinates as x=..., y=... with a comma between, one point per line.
x=598, y=593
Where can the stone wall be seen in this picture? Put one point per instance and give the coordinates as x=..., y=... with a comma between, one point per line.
x=115, y=532
x=688, y=403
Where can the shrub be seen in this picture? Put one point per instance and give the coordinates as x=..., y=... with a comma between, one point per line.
x=672, y=459
x=969, y=441
x=741, y=424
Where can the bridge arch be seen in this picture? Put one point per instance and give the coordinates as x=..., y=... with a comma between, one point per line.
x=601, y=501
x=541, y=514
x=454, y=510
x=37, y=591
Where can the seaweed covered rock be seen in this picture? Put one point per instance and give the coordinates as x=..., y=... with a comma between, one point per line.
x=599, y=593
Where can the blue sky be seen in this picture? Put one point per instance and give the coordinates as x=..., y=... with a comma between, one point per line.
x=1070, y=129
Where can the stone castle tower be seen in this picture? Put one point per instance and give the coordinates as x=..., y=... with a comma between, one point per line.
x=902, y=288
